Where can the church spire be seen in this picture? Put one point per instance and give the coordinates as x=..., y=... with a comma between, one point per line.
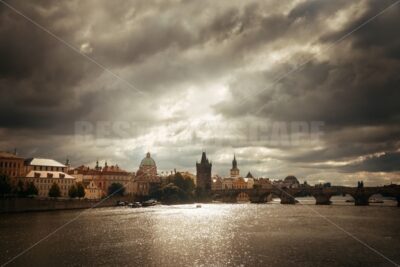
x=204, y=158
x=235, y=172
x=234, y=162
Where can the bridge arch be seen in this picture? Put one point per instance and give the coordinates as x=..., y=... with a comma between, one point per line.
x=361, y=198
x=287, y=197
x=376, y=199
x=257, y=197
x=342, y=198
x=322, y=198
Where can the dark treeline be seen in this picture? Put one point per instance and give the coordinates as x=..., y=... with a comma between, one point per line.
x=175, y=189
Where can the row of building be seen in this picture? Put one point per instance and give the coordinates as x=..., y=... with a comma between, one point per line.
x=97, y=180
x=206, y=181
x=45, y=172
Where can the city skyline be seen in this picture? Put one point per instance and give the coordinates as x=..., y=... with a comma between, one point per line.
x=176, y=81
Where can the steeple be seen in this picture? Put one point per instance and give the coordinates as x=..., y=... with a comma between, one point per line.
x=204, y=158
x=249, y=175
x=235, y=172
x=97, y=168
x=234, y=162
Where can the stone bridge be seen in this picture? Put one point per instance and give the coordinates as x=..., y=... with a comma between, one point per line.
x=322, y=196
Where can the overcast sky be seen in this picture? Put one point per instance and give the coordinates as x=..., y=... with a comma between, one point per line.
x=111, y=80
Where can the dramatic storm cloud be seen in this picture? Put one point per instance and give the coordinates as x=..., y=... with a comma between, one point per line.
x=309, y=88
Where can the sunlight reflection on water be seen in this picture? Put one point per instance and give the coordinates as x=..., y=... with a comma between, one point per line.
x=213, y=235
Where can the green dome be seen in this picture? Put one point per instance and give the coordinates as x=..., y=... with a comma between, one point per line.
x=147, y=161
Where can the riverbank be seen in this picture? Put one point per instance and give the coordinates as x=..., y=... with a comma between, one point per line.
x=16, y=205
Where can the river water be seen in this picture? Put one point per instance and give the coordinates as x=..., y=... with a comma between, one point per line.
x=213, y=235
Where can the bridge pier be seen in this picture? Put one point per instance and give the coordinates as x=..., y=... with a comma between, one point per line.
x=260, y=198
x=287, y=199
x=361, y=199
x=322, y=199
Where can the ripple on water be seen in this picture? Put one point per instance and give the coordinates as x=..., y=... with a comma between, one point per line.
x=214, y=235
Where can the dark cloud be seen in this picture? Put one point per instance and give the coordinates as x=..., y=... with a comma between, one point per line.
x=312, y=10
x=388, y=162
x=197, y=62
x=354, y=90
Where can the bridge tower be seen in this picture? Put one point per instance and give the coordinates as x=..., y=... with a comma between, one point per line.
x=203, y=173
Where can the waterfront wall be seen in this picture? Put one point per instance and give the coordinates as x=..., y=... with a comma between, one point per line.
x=11, y=205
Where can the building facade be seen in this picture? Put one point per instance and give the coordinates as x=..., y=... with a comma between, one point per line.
x=103, y=177
x=46, y=172
x=227, y=183
x=43, y=180
x=217, y=183
x=11, y=165
x=92, y=191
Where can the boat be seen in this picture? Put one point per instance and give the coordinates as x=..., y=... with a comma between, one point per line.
x=121, y=203
x=136, y=205
x=150, y=202
x=350, y=200
x=198, y=206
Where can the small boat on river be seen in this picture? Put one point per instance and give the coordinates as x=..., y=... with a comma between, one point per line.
x=150, y=202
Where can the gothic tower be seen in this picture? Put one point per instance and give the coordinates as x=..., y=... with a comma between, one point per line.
x=203, y=175
x=235, y=172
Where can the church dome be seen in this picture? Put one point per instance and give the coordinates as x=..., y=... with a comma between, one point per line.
x=147, y=161
x=291, y=179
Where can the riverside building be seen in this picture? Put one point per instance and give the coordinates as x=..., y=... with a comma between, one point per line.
x=44, y=173
x=11, y=165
